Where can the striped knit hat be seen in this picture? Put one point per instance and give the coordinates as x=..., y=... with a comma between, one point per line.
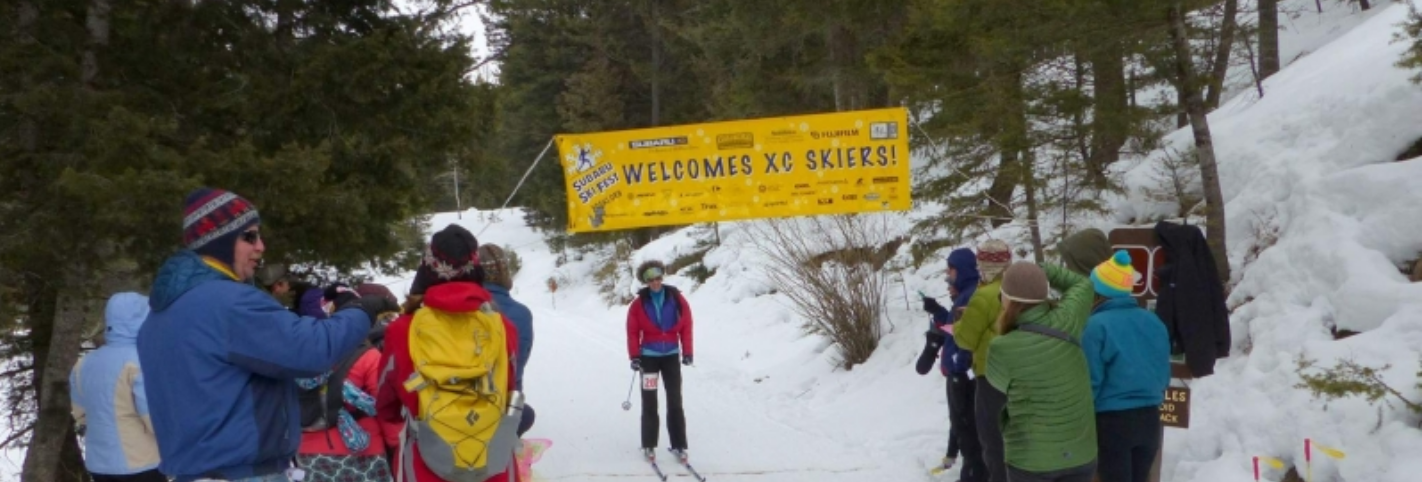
x=994, y=256
x=452, y=255
x=1114, y=278
x=213, y=219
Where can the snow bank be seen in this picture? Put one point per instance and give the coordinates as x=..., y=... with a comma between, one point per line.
x=1310, y=165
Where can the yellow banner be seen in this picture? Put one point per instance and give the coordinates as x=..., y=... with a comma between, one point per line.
x=846, y=162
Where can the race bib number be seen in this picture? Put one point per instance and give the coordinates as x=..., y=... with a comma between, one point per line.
x=649, y=381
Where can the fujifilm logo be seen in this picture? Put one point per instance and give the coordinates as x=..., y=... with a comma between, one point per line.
x=834, y=134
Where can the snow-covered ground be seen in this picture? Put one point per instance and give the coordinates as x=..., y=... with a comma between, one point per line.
x=1310, y=161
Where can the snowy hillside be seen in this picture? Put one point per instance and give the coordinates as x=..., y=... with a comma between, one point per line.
x=1311, y=165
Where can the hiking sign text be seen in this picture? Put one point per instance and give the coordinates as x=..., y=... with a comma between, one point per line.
x=845, y=162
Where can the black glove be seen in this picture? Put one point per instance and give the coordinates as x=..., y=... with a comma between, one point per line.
x=636, y=364
x=373, y=306
x=929, y=354
x=686, y=360
x=935, y=336
x=931, y=305
x=331, y=293
x=343, y=299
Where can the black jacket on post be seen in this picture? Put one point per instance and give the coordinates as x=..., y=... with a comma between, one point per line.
x=1191, y=301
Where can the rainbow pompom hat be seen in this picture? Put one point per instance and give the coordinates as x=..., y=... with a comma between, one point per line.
x=1114, y=278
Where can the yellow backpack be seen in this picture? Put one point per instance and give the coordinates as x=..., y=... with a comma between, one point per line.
x=466, y=428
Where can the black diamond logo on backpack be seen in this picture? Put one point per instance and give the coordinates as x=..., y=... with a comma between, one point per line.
x=471, y=418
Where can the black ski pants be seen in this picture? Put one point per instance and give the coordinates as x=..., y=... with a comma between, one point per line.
x=669, y=369
x=1126, y=442
x=989, y=405
x=963, y=436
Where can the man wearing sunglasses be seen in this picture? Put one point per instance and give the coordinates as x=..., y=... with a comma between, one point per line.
x=220, y=357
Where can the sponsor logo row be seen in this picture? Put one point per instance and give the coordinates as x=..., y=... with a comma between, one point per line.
x=878, y=131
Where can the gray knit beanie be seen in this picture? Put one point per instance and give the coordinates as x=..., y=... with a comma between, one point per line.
x=1025, y=282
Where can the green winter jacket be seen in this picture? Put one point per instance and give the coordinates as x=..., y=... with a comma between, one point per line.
x=1050, y=421
x=978, y=325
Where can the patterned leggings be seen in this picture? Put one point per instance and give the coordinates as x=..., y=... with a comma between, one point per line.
x=344, y=468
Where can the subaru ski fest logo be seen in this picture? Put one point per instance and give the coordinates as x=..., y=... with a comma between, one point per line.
x=583, y=157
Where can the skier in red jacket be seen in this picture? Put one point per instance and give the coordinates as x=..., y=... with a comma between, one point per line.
x=658, y=342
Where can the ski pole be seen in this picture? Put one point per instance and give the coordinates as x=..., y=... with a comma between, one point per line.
x=627, y=405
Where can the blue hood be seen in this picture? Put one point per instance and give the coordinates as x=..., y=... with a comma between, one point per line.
x=966, y=263
x=311, y=303
x=181, y=272
x=123, y=317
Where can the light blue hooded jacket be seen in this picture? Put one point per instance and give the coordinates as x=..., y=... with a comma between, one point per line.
x=107, y=396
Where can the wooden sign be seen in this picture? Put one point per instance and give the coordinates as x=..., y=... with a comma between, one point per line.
x=1175, y=410
x=552, y=285
x=1146, y=256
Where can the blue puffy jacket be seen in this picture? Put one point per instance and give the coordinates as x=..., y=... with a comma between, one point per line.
x=220, y=358
x=107, y=395
x=1128, y=354
x=522, y=319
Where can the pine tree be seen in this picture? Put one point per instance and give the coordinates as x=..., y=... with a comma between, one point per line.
x=329, y=118
x=1412, y=58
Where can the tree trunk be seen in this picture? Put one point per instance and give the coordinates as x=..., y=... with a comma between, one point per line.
x=1268, y=38
x=1222, y=52
x=286, y=23
x=97, y=23
x=1131, y=89
x=655, y=26
x=1111, y=118
x=1078, y=114
x=849, y=89
x=45, y=458
x=1364, y=5
x=1029, y=184
x=1181, y=118
x=1253, y=65
x=26, y=18
x=1011, y=143
x=1204, y=145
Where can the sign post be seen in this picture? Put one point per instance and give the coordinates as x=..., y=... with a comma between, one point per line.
x=553, y=291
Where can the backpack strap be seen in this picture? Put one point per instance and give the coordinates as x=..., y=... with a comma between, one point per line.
x=1049, y=332
x=335, y=392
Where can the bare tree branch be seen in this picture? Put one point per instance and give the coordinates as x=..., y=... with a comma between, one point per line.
x=10, y=373
x=17, y=435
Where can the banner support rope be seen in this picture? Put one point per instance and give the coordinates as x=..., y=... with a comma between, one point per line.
x=521, y=181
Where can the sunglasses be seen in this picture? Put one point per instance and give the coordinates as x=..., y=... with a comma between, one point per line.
x=251, y=237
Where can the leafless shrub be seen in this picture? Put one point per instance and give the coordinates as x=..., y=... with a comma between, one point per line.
x=828, y=266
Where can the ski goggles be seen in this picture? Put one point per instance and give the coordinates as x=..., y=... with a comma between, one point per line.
x=653, y=273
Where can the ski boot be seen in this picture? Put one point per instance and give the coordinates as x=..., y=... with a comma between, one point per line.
x=680, y=454
x=649, y=454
